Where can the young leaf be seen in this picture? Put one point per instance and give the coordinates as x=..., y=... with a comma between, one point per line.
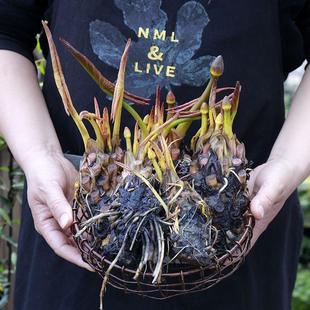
x=116, y=111
x=62, y=86
x=107, y=86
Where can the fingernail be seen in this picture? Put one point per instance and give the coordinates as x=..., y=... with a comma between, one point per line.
x=260, y=211
x=63, y=221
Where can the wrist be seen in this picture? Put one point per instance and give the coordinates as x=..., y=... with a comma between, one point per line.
x=38, y=152
x=294, y=172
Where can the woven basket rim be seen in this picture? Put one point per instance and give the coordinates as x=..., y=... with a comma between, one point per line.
x=225, y=260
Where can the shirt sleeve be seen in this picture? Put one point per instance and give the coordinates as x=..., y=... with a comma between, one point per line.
x=295, y=26
x=303, y=23
x=20, y=21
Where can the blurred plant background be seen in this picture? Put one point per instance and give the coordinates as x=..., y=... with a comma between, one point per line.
x=11, y=184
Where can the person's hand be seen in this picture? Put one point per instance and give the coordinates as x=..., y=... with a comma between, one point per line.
x=270, y=185
x=50, y=180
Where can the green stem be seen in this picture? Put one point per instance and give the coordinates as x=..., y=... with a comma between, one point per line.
x=99, y=140
x=179, y=122
x=182, y=128
x=137, y=118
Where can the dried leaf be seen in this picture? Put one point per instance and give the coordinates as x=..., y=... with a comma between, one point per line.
x=118, y=96
x=62, y=86
x=119, y=87
x=157, y=106
x=97, y=110
x=99, y=120
x=235, y=100
x=58, y=73
x=107, y=128
x=107, y=86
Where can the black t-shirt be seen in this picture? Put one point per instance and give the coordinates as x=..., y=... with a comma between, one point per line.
x=261, y=41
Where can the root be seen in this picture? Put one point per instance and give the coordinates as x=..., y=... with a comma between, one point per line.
x=98, y=217
x=141, y=265
x=139, y=226
x=113, y=263
x=145, y=255
x=176, y=255
x=216, y=235
x=160, y=254
x=188, y=220
x=235, y=174
x=87, y=204
x=92, y=220
x=224, y=186
x=165, y=223
x=148, y=184
x=136, y=233
x=174, y=198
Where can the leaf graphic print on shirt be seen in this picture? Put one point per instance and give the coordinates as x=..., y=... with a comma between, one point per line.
x=156, y=57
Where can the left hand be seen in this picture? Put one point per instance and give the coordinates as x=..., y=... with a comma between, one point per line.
x=270, y=185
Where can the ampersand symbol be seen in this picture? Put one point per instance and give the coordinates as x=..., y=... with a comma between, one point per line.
x=154, y=53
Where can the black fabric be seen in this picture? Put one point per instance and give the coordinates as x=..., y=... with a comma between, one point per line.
x=303, y=23
x=260, y=41
x=295, y=33
x=20, y=21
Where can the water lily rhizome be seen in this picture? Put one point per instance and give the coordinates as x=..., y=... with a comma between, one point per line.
x=159, y=211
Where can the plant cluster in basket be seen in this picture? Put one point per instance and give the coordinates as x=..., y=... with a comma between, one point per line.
x=159, y=203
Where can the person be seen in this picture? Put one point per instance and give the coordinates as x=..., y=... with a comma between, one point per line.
x=261, y=41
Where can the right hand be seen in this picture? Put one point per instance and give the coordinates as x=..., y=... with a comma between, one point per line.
x=50, y=180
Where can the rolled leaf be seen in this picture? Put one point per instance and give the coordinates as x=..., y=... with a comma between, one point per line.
x=107, y=86
x=62, y=86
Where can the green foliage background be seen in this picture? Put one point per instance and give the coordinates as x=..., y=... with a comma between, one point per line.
x=301, y=294
x=11, y=184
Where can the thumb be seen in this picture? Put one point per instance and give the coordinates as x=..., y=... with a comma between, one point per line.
x=265, y=198
x=59, y=206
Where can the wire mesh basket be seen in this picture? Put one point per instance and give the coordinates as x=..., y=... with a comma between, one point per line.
x=176, y=279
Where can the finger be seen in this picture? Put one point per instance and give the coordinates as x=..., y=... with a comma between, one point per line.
x=251, y=181
x=61, y=245
x=46, y=225
x=59, y=206
x=259, y=228
x=265, y=198
x=73, y=176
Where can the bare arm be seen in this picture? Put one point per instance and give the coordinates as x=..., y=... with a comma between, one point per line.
x=26, y=126
x=288, y=164
x=293, y=143
x=23, y=110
